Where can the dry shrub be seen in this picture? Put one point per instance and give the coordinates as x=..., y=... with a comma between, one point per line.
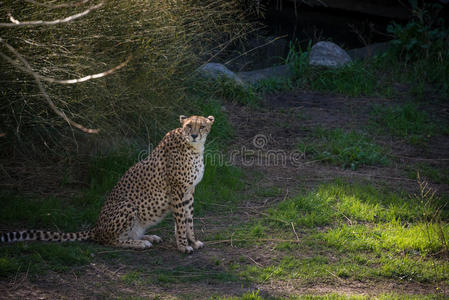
x=167, y=41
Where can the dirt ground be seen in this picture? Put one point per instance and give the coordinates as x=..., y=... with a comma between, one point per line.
x=279, y=123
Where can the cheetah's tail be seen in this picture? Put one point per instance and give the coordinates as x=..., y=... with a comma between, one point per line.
x=40, y=235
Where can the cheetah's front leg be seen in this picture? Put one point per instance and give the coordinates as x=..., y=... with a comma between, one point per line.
x=180, y=214
x=196, y=244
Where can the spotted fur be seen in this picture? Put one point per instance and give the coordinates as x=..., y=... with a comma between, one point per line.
x=164, y=182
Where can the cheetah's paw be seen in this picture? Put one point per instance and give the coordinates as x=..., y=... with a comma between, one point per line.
x=186, y=249
x=147, y=244
x=152, y=238
x=198, y=245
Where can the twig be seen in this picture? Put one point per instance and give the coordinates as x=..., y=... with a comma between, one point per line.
x=17, y=23
x=257, y=264
x=349, y=220
x=44, y=93
x=68, y=81
x=115, y=272
x=293, y=227
x=335, y=276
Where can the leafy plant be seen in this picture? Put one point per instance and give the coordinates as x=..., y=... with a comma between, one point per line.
x=421, y=37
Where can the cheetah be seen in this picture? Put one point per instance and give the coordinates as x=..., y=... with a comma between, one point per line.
x=164, y=182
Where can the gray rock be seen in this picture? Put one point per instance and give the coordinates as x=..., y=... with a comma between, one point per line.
x=328, y=54
x=216, y=70
x=282, y=71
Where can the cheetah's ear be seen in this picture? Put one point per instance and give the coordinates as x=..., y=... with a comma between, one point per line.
x=182, y=118
x=211, y=119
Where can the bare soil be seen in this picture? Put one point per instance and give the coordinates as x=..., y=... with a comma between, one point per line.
x=279, y=123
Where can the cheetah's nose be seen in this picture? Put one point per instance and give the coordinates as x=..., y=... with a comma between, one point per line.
x=194, y=136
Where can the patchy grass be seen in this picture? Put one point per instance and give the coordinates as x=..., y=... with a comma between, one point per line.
x=38, y=258
x=220, y=184
x=394, y=236
x=254, y=295
x=348, y=149
x=50, y=213
x=351, y=231
x=177, y=275
x=407, y=121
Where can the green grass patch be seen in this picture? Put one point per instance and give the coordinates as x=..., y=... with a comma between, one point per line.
x=422, y=238
x=221, y=184
x=351, y=231
x=338, y=202
x=254, y=295
x=38, y=258
x=407, y=121
x=50, y=213
x=321, y=268
x=354, y=79
x=348, y=149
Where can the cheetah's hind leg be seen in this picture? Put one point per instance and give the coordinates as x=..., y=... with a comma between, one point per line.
x=133, y=244
x=152, y=238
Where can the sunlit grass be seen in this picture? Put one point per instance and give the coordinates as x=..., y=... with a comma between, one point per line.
x=331, y=203
x=353, y=231
x=422, y=238
x=254, y=295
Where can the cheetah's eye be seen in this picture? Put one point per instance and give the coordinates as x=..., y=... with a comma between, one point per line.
x=201, y=127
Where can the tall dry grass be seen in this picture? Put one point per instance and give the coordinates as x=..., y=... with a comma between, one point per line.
x=167, y=41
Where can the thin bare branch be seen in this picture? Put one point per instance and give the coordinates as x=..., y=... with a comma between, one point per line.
x=72, y=4
x=44, y=93
x=294, y=231
x=17, y=23
x=68, y=81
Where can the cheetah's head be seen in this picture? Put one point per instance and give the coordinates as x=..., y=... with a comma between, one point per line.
x=196, y=128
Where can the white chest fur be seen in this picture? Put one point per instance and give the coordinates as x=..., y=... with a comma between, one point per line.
x=199, y=170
